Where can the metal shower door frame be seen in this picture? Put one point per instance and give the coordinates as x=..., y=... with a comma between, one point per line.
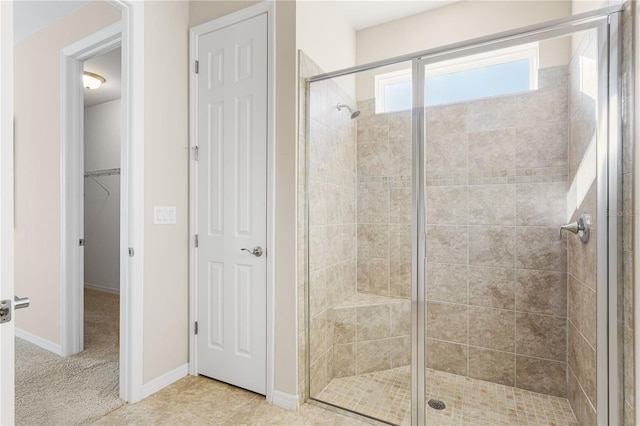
x=609, y=150
x=605, y=22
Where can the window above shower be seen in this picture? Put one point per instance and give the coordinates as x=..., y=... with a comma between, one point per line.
x=490, y=74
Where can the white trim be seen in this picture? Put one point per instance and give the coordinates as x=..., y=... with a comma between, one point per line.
x=165, y=380
x=39, y=341
x=71, y=184
x=527, y=51
x=194, y=33
x=102, y=288
x=285, y=400
x=129, y=32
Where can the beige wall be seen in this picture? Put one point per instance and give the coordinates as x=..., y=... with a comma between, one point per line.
x=457, y=22
x=284, y=245
x=324, y=35
x=166, y=154
x=37, y=120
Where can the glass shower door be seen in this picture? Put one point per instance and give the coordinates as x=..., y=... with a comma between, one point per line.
x=359, y=178
x=510, y=158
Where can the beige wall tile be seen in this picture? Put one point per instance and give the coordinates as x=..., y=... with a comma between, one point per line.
x=373, y=158
x=373, y=322
x=492, y=150
x=400, y=351
x=344, y=360
x=492, y=246
x=582, y=308
x=543, y=292
x=446, y=119
x=492, y=328
x=540, y=248
x=447, y=322
x=400, y=206
x=542, y=146
x=582, y=362
x=445, y=356
x=541, y=375
x=373, y=241
x=492, y=366
x=492, y=204
x=400, y=242
x=585, y=413
x=373, y=127
x=447, y=205
x=447, y=283
x=373, y=355
x=582, y=259
x=373, y=276
x=492, y=287
x=541, y=204
x=400, y=279
x=400, y=319
x=344, y=325
x=447, y=244
x=492, y=113
x=541, y=336
x=373, y=205
x=446, y=153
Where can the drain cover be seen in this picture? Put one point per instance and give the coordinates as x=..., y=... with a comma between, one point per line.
x=438, y=405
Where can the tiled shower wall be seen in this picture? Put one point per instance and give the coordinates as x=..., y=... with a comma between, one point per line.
x=496, y=172
x=332, y=221
x=582, y=257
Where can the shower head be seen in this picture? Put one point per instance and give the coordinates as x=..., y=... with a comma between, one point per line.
x=354, y=114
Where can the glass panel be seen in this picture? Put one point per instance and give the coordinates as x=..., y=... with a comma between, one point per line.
x=511, y=307
x=359, y=173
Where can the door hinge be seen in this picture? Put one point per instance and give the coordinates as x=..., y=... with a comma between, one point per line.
x=81, y=242
x=196, y=241
x=130, y=251
x=195, y=328
x=195, y=152
x=197, y=67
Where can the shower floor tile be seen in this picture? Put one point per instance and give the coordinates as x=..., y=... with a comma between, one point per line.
x=385, y=395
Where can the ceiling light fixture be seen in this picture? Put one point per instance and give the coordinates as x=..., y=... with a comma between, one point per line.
x=92, y=81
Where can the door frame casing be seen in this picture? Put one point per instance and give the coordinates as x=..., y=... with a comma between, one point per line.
x=266, y=7
x=7, y=352
x=129, y=34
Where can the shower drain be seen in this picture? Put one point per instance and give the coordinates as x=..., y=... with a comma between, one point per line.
x=438, y=405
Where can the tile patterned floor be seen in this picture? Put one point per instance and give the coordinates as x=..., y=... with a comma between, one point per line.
x=385, y=395
x=202, y=401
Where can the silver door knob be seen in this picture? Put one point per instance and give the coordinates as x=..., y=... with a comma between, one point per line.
x=21, y=302
x=580, y=227
x=257, y=251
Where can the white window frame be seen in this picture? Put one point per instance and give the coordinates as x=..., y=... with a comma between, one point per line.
x=528, y=51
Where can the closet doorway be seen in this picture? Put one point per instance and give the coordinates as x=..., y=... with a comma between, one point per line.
x=101, y=208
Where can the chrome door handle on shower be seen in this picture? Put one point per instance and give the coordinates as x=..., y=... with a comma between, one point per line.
x=580, y=227
x=257, y=251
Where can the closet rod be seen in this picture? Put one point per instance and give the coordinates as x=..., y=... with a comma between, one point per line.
x=102, y=172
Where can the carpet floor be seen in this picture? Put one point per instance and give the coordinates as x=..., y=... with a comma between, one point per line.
x=79, y=389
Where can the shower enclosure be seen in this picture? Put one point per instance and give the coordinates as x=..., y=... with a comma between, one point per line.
x=458, y=235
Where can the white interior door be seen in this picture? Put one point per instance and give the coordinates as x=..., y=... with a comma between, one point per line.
x=7, y=353
x=232, y=204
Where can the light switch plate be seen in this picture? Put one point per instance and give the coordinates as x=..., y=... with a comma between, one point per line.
x=164, y=215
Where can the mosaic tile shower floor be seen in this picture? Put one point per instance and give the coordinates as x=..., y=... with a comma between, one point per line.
x=385, y=395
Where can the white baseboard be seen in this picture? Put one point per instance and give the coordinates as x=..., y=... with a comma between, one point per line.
x=39, y=341
x=102, y=288
x=165, y=380
x=285, y=400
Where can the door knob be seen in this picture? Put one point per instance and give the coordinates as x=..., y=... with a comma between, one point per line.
x=21, y=302
x=257, y=251
x=580, y=227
